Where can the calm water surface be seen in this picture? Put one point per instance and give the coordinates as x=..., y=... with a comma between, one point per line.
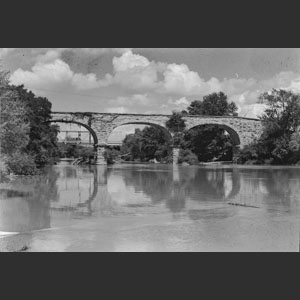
x=152, y=208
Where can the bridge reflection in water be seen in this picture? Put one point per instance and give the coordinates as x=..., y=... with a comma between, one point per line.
x=67, y=192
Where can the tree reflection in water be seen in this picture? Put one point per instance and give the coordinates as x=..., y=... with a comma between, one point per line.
x=174, y=186
x=271, y=188
x=26, y=201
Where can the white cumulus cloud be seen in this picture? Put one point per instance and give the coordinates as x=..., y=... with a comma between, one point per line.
x=54, y=74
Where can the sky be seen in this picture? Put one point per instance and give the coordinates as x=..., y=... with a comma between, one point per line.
x=151, y=80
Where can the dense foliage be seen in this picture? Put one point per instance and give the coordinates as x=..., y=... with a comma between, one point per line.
x=43, y=136
x=147, y=144
x=21, y=163
x=209, y=143
x=215, y=104
x=14, y=130
x=27, y=138
x=76, y=151
x=280, y=141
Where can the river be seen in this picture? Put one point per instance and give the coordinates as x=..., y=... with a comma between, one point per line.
x=152, y=208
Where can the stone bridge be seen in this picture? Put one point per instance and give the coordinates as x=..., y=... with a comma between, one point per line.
x=242, y=130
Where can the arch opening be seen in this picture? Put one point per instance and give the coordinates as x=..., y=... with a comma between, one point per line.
x=76, y=141
x=163, y=129
x=140, y=142
x=212, y=142
x=89, y=129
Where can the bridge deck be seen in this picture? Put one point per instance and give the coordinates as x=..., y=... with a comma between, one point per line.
x=150, y=115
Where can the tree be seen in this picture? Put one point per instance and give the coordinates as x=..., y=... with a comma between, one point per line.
x=281, y=122
x=25, y=130
x=280, y=140
x=14, y=127
x=14, y=132
x=176, y=125
x=215, y=104
x=210, y=142
x=43, y=136
x=282, y=115
x=149, y=143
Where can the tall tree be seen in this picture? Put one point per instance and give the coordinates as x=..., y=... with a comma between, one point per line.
x=176, y=125
x=14, y=132
x=211, y=142
x=215, y=104
x=281, y=121
x=43, y=135
x=14, y=126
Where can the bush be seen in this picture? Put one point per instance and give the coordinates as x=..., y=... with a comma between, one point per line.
x=187, y=156
x=111, y=155
x=21, y=164
x=3, y=166
x=108, y=156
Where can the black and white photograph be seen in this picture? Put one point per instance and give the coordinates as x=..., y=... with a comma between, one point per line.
x=149, y=150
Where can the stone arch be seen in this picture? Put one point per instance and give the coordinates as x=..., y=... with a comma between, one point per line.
x=235, y=135
x=232, y=132
x=164, y=129
x=93, y=133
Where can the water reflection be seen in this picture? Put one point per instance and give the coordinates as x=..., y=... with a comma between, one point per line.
x=64, y=193
x=272, y=188
x=25, y=202
x=175, y=185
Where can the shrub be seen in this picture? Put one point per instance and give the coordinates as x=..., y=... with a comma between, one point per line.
x=108, y=156
x=3, y=167
x=187, y=156
x=21, y=164
x=111, y=155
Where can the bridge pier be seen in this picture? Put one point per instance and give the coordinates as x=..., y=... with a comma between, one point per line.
x=100, y=155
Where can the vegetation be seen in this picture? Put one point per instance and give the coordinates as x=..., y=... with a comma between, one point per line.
x=21, y=164
x=111, y=155
x=147, y=144
x=176, y=125
x=14, y=128
x=210, y=142
x=43, y=136
x=215, y=104
x=187, y=156
x=27, y=140
x=280, y=141
x=76, y=151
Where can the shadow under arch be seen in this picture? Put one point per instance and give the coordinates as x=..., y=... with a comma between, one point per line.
x=93, y=133
x=233, y=134
x=164, y=129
